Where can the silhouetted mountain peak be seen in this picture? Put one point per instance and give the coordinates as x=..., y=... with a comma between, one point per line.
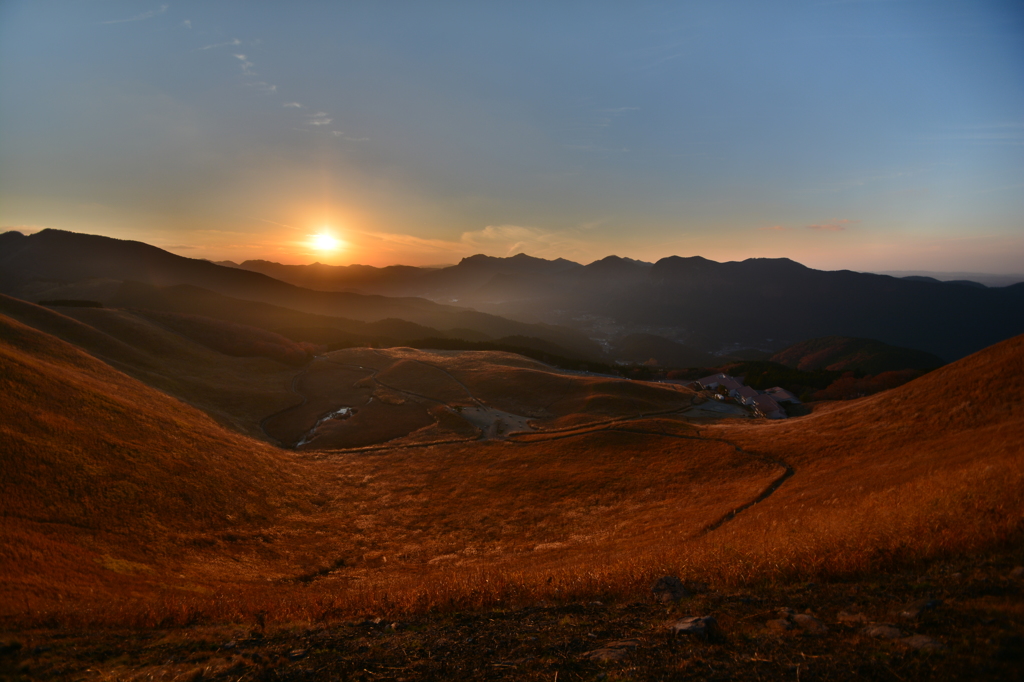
x=517, y=263
x=674, y=267
x=616, y=266
x=775, y=263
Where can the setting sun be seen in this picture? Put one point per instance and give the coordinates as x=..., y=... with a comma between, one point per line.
x=325, y=242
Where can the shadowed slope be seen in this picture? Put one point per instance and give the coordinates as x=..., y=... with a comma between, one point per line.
x=236, y=391
x=99, y=466
x=842, y=353
x=81, y=439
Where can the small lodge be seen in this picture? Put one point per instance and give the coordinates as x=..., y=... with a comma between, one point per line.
x=765, y=404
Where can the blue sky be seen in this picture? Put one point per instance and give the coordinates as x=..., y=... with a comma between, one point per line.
x=862, y=134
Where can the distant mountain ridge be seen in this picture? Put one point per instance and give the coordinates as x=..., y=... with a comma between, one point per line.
x=38, y=266
x=842, y=353
x=759, y=303
x=984, y=278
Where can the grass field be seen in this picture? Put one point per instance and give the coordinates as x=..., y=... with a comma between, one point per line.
x=123, y=506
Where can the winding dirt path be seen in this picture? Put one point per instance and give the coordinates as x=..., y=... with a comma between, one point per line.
x=541, y=436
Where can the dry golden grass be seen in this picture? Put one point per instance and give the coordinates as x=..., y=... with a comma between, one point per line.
x=97, y=464
x=150, y=513
x=237, y=392
x=402, y=395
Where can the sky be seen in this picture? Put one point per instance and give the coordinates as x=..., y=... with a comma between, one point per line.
x=868, y=135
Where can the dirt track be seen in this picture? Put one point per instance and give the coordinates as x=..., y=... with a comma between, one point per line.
x=494, y=424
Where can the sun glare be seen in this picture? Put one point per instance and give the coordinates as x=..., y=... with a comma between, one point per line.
x=324, y=242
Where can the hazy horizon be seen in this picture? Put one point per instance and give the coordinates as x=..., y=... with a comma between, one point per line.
x=871, y=136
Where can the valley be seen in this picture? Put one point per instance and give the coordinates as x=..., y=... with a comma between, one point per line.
x=548, y=342
x=191, y=471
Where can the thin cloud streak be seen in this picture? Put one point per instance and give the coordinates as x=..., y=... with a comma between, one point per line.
x=835, y=225
x=139, y=17
x=233, y=43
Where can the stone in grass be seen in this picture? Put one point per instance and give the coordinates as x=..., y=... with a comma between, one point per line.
x=296, y=654
x=701, y=627
x=922, y=643
x=809, y=624
x=915, y=610
x=669, y=588
x=882, y=631
x=781, y=625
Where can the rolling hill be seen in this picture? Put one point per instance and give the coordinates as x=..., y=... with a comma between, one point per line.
x=841, y=354
x=54, y=264
x=471, y=479
x=761, y=303
x=107, y=482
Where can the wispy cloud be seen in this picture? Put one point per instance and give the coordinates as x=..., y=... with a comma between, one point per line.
x=1011, y=134
x=293, y=105
x=775, y=228
x=231, y=43
x=834, y=225
x=320, y=118
x=868, y=180
x=263, y=86
x=246, y=65
x=187, y=23
x=139, y=17
x=271, y=222
x=343, y=136
x=508, y=240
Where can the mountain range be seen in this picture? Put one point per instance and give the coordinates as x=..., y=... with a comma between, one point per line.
x=683, y=308
x=703, y=305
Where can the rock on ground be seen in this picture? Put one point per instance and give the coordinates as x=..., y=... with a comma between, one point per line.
x=922, y=643
x=809, y=624
x=882, y=632
x=703, y=627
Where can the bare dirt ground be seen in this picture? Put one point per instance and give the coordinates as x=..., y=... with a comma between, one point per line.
x=874, y=629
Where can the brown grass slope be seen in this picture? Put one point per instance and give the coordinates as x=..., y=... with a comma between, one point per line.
x=100, y=468
x=237, y=392
x=594, y=510
x=933, y=467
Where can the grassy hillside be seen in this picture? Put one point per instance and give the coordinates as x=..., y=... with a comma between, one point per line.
x=106, y=480
x=842, y=353
x=236, y=391
x=934, y=466
x=596, y=487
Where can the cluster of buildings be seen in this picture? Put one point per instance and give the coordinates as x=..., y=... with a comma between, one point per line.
x=767, y=404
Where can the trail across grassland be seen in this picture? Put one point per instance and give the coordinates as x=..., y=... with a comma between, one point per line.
x=489, y=420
